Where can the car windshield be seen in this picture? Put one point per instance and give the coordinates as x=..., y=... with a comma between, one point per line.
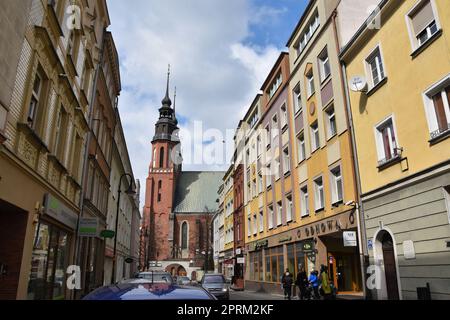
x=156, y=277
x=214, y=279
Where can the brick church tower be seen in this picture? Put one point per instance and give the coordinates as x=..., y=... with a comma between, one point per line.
x=164, y=169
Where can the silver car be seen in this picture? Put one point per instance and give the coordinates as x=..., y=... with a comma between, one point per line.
x=216, y=285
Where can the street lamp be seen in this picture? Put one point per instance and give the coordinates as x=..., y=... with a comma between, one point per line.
x=130, y=192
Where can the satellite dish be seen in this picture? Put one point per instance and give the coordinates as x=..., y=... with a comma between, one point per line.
x=358, y=84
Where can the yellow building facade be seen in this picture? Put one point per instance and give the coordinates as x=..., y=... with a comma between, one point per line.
x=398, y=73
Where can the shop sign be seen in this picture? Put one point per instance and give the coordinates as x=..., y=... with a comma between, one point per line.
x=107, y=234
x=240, y=260
x=409, y=250
x=308, y=247
x=350, y=239
x=285, y=239
x=261, y=244
x=55, y=209
x=88, y=228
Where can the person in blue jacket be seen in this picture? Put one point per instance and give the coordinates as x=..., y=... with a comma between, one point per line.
x=314, y=281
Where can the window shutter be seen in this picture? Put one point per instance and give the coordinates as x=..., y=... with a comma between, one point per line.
x=440, y=111
x=422, y=17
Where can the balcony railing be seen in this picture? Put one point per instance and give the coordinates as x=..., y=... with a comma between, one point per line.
x=440, y=132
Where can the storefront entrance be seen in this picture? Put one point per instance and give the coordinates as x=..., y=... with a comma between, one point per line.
x=390, y=266
x=344, y=272
x=49, y=262
x=13, y=224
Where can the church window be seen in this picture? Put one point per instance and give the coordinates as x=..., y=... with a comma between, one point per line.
x=161, y=157
x=184, y=234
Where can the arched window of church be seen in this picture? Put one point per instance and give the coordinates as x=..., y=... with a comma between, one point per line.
x=184, y=235
x=154, y=157
x=159, y=190
x=161, y=157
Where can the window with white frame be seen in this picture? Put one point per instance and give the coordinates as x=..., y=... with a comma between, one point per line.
x=337, y=189
x=376, y=67
x=259, y=146
x=437, y=107
x=315, y=138
x=255, y=225
x=324, y=65
x=307, y=34
x=254, y=118
x=35, y=110
x=260, y=182
x=304, y=201
x=279, y=213
x=319, y=197
x=271, y=217
x=331, y=121
x=284, y=116
x=277, y=169
x=297, y=99
x=289, y=208
x=301, y=147
x=269, y=176
x=286, y=160
x=267, y=136
x=423, y=23
x=310, y=84
x=275, y=85
x=261, y=221
x=274, y=126
x=386, y=140
x=254, y=189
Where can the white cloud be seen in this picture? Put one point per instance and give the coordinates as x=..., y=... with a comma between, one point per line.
x=216, y=72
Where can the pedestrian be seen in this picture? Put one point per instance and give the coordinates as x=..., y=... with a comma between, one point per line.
x=301, y=282
x=325, y=287
x=287, y=282
x=314, y=281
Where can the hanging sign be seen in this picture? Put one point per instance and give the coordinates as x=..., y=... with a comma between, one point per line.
x=350, y=239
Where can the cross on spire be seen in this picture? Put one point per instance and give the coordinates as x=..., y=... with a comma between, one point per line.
x=166, y=101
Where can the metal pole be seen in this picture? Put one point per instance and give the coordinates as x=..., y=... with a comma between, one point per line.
x=115, y=236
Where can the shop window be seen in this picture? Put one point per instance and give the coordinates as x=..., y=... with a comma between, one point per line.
x=274, y=264
x=49, y=262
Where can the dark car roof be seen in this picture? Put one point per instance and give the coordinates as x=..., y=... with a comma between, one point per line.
x=148, y=291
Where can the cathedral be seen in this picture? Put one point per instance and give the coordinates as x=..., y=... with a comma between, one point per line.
x=179, y=205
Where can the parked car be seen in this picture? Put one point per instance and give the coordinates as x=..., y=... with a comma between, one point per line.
x=183, y=281
x=144, y=289
x=216, y=285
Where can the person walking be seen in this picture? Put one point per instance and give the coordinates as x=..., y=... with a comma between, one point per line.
x=287, y=282
x=301, y=282
x=314, y=281
x=325, y=283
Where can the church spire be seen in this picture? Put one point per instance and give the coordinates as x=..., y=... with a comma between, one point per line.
x=166, y=101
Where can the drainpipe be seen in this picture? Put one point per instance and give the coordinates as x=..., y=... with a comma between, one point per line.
x=358, y=203
x=77, y=257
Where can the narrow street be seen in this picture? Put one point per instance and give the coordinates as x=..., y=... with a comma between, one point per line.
x=251, y=295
